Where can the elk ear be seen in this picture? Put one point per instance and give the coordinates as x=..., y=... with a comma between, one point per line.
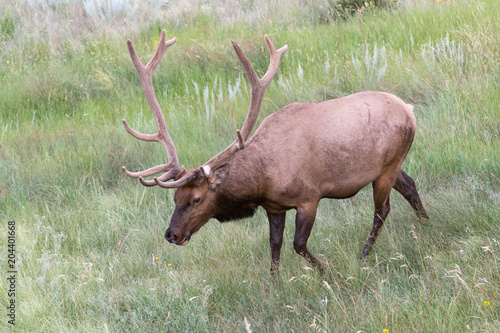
x=218, y=176
x=199, y=177
x=195, y=177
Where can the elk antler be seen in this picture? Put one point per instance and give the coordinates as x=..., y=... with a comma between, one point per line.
x=257, y=94
x=172, y=168
x=258, y=88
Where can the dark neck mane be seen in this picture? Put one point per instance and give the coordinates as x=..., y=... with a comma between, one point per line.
x=228, y=209
x=238, y=195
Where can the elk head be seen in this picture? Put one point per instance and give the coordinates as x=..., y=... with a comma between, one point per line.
x=195, y=197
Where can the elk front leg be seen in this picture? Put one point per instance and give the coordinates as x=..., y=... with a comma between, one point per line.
x=381, y=190
x=304, y=222
x=406, y=186
x=276, y=228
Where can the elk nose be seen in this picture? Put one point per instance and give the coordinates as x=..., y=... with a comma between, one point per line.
x=170, y=236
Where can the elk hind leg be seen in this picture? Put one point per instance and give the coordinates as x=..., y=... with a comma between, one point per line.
x=381, y=189
x=406, y=186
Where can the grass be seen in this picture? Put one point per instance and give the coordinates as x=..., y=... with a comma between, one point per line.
x=88, y=236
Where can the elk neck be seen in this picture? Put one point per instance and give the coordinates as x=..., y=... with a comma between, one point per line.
x=240, y=192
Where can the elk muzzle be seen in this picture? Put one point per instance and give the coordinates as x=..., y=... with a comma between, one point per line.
x=177, y=239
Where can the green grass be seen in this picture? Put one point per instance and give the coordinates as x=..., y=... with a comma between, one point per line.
x=88, y=236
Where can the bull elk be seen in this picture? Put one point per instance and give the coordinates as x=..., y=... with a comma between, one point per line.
x=298, y=155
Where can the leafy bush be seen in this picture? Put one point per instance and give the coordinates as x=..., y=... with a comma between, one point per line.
x=343, y=9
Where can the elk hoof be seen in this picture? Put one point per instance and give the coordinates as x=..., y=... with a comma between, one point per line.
x=365, y=253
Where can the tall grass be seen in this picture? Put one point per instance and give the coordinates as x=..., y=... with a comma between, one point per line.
x=91, y=254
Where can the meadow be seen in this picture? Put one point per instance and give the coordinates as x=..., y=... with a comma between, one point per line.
x=90, y=249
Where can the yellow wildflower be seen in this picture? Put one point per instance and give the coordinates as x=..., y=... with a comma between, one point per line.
x=385, y=330
x=169, y=265
x=157, y=259
x=486, y=303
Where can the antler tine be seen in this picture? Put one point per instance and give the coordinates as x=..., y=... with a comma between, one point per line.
x=258, y=85
x=155, y=60
x=151, y=171
x=138, y=135
x=160, y=51
x=163, y=178
x=275, y=56
x=188, y=177
x=258, y=88
x=172, y=168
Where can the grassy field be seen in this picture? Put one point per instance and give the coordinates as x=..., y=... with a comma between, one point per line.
x=90, y=251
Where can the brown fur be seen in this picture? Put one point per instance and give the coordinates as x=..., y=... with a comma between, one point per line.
x=301, y=154
x=298, y=155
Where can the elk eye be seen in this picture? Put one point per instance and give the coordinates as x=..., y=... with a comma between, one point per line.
x=196, y=201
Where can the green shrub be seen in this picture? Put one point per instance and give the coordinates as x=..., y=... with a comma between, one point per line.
x=343, y=9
